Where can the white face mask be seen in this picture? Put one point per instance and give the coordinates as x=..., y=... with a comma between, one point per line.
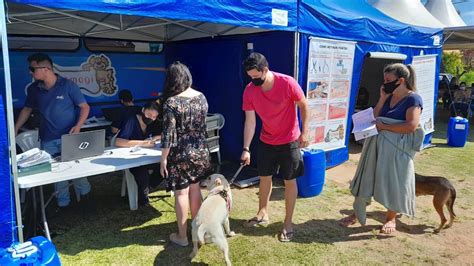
x=462, y=87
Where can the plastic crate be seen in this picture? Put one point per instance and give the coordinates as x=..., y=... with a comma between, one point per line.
x=213, y=142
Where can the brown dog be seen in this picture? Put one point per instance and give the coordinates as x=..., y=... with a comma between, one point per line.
x=443, y=194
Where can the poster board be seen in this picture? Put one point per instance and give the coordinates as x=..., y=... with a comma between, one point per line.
x=330, y=65
x=425, y=70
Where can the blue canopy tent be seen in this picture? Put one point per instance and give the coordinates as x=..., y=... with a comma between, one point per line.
x=280, y=29
x=373, y=31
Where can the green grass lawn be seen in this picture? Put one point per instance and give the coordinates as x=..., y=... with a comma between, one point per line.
x=116, y=235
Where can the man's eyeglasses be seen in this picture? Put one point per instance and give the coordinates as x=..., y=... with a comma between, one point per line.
x=33, y=69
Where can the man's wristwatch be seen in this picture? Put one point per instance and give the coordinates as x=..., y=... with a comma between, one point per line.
x=247, y=150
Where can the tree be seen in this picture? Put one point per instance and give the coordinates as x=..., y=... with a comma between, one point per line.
x=458, y=63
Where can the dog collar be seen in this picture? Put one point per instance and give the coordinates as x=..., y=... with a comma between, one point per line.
x=223, y=193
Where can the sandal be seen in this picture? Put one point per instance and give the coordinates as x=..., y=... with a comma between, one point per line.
x=174, y=239
x=348, y=220
x=388, y=227
x=286, y=237
x=255, y=221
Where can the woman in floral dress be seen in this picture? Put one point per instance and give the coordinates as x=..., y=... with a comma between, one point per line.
x=185, y=156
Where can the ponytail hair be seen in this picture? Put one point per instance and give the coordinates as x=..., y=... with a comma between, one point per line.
x=403, y=71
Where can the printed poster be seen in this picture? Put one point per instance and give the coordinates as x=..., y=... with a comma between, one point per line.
x=328, y=91
x=425, y=70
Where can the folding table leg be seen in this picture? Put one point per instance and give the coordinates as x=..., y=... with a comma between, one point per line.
x=43, y=214
x=132, y=190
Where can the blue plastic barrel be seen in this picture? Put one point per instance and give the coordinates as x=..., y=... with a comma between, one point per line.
x=312, y=182
x=458, y=130
x=37, y=251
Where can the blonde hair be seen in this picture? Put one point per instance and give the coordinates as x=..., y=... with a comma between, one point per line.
x=403, y=71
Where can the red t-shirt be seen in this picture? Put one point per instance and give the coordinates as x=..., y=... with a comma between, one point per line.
x=276, y=108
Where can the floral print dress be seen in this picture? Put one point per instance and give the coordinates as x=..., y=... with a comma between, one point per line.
x=184, y=132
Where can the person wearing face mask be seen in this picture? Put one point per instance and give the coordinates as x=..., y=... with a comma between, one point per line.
x=386, y=170
x=135, y=132
x=461, y=100
x=57, y=99
x=274, y=97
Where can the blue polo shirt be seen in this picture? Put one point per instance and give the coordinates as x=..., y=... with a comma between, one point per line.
x=57, y=106
x=131, y=130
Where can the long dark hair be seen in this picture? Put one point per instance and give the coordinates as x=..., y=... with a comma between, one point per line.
x=403, y=71
x=178, y=79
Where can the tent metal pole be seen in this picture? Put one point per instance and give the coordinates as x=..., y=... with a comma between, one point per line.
x=297, y=56
x=38, y=13
x=10, y=120
x=46, y=26
x=78, y=17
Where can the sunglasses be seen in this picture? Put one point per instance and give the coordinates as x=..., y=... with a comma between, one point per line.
x=33, y=69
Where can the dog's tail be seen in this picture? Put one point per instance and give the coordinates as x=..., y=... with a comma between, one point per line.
x=450, y=203
x=200, y=234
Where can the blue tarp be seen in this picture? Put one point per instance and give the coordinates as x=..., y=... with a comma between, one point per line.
x=7, y=206
x=247, y=13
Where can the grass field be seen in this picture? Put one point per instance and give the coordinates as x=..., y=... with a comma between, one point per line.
x=115, y=235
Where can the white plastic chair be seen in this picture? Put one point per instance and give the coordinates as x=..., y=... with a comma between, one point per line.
x=28, y=140
x=220, y=125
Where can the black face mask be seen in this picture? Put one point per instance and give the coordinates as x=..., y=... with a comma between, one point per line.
x=258, y=81
x=146, y=120
x=389, y=87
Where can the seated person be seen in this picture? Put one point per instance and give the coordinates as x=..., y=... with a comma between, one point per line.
x=134, y=132
x=128, y=109
x=461, y=100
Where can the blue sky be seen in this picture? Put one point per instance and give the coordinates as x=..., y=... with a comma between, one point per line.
x=466, y=9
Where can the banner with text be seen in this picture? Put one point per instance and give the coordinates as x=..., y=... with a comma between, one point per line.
x=425, y=70
x=328, y=91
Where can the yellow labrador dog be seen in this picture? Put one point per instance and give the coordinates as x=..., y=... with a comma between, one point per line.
x=211, y=224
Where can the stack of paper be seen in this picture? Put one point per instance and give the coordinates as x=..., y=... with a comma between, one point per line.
x=364, y=124
x=32, y=157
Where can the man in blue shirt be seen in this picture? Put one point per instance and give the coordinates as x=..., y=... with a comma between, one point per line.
x=129, y=109
x=56, y=98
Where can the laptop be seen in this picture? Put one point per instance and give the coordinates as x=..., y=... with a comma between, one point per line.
x=82, y=145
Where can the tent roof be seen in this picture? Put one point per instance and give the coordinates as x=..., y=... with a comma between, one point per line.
x=444, y=11
x=407, y=11
x=148, y=19
x=459, y=38
x=357, y=20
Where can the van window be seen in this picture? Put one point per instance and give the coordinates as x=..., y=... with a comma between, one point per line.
x=43, y=43
x=107, y=45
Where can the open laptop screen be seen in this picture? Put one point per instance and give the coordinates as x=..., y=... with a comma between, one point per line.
x=82, y=145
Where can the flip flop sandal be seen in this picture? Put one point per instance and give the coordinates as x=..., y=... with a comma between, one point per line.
x=347, y=221
x=286, y=237
x=388, y=225
x=256, y=222
x=174, y=239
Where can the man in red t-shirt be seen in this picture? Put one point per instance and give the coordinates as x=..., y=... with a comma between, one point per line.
x=274, y=97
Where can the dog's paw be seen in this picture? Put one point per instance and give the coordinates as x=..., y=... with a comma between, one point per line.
x=231, y=234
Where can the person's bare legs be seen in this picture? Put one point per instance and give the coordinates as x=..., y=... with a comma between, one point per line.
x=195, y=199
x=264, y=193
x=181, y=204
x=291, y=193
x=390, y=223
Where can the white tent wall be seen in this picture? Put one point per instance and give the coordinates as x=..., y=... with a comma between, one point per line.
x=408, y=11
x=444, y=11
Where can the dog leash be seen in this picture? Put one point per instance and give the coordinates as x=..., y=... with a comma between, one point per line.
x=237, y=173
